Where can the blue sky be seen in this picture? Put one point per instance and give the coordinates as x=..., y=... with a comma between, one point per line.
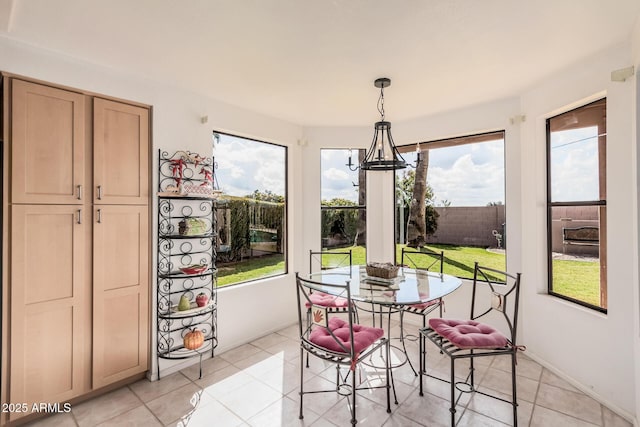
x=574, y=165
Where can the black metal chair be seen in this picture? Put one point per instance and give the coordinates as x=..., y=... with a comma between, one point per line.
x=324, y=260
x=327, y=260
x=342, y=342
x=424, y=259
x=468, y=339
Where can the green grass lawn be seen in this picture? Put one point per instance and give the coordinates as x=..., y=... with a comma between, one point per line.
x=576, y=279
x=251, y=269
x=459, y=260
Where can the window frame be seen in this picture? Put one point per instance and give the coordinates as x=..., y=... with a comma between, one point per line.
x=602, y=203
x=468, y=139
x=357, y=207
x=285, y=242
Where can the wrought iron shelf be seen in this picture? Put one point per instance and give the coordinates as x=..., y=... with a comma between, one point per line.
x=188, y=313
x=179, y=352
x=176, y=250
x=181, y=237
x=183, y=323
x=182, y=291
x=179, y=197
x=180, y=275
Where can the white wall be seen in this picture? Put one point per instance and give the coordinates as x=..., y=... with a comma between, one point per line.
x=592, y=350
x=635, y=52
x=177, y=126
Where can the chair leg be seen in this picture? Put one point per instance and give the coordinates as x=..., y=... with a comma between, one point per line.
x=441, y=302
x=453, y=392
x=423, y=355
x=354, y=421
x=423, y=359
x=301, y=416
x=513, y=389
x=404, y=347
x=308, y=323
x=473, y=371
x=393, y=384
x=387, y=369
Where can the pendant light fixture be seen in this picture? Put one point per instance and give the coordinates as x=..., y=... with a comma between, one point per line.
x=383, y=154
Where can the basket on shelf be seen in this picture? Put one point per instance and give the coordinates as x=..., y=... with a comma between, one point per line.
x=384, y=270
x=192, y=227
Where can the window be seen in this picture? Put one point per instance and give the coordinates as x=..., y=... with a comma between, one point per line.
x=343, y=203
x=577, y=205
x=251, y=214
x=465, y=201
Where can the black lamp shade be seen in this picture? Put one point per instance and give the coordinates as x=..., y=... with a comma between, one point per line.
x=383, y=154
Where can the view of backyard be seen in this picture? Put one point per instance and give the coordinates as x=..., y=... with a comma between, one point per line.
x=574, y=278
x=461, y=223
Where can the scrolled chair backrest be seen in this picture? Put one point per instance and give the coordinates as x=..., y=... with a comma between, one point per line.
x=504, y=296
x=435, y=260
x=320, y=314
x=336, y=258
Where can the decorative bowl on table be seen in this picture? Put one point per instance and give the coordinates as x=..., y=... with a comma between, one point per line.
x=194, y=268
x=383, y=270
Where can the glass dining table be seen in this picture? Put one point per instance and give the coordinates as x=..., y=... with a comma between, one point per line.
x=383, y=297
x=410, y=287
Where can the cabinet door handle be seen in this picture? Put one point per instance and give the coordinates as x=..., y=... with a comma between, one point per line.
x=79, y=216
x=99, y=216
x=99, y=192
x=79, y=192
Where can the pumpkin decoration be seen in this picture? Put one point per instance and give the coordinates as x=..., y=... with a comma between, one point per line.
x=193, y=339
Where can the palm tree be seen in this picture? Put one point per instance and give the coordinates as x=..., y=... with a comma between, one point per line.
x=417, y=225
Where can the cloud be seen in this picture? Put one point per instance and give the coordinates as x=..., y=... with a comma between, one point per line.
x=467, y=183
x=334, y=174
x=574, y=165
x=246, y=165
x=337, y=180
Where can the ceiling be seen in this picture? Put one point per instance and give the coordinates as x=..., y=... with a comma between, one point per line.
x=313, y=62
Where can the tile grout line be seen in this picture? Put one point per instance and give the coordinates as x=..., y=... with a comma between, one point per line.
x=560, y=412
x=535, y=398
x=145, y=404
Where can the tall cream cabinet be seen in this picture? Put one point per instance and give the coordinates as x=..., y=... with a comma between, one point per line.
x=76, y=242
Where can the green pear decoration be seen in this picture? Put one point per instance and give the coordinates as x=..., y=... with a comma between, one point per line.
x=184, y=303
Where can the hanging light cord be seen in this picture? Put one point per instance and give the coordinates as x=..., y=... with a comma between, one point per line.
x=381, y=103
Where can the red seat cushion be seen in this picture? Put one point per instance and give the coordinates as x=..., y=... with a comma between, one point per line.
x=363, y=336
x=468, y=334
x=325, y=300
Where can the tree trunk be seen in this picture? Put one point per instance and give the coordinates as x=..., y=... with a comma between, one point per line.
x=361, y=232
x=416, y=228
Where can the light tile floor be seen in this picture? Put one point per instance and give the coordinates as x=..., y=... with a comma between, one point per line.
x=256, y=384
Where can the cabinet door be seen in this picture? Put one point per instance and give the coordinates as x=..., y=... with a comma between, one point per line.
x=48, y=304
x=120, y=293
x=47, y=144
x=120, y=153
